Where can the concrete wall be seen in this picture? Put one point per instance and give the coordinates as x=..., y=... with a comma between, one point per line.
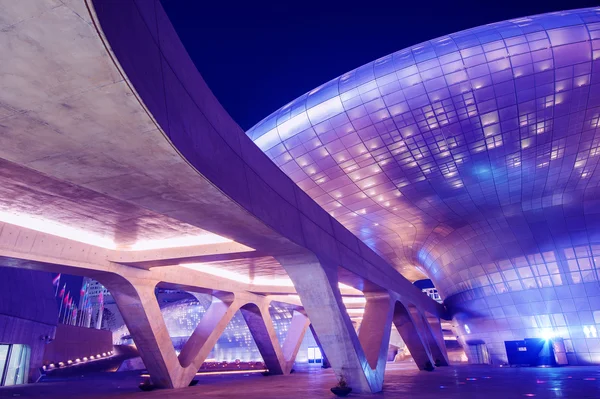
x=73, y=342
x=28, y=312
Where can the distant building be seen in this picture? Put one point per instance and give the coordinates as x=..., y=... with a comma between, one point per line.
x=433, y=294
x=92, y=303
x=428, y=288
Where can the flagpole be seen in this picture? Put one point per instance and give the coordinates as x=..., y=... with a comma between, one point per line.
x=60, y=309
x=61, y=301
x=100, y=309
x=57, y=286
x=83, y=303
x=66, y=299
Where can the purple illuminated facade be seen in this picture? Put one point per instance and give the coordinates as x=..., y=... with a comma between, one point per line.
x=470, y=158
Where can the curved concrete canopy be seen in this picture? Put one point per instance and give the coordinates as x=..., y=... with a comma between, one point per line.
x=111, y=130
x=236, y=191
x=471, y=158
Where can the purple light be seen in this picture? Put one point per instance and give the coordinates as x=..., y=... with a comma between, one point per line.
x=472, y=158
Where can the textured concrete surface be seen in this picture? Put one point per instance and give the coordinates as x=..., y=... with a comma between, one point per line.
x=130, y=130
x=401, y=381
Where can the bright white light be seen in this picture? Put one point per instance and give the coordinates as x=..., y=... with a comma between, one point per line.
x=350, y=300
x=547, y=334
x=177, y=242
x=467, y=329
x=72, y=233
x=275, y=282
x=325, y=110
x=56, y=229
x=355, y=311
x=241, y=278
x=219, y=272
x=293, y=126
x=268, y=140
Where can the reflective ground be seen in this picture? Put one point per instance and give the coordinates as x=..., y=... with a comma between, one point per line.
x=402, y=381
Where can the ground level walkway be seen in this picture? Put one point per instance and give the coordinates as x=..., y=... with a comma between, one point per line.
x=402, y=381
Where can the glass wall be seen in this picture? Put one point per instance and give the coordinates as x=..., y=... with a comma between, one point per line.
x=14, y=364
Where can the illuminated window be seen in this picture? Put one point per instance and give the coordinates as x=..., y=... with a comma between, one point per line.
x=14, y=364
x=590, y=331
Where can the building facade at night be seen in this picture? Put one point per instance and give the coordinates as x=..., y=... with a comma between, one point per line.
x=470, y=158
x=438, y=205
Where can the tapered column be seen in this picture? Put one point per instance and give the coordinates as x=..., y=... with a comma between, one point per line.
x=142, y=315
x=326, y=363
x=261, y=327
x=435, y=338
x=205, y=335
x=279, y=359
x=412, y=337
x=143, y=318
x=374, y=333
x=317, y=286
x=293, y=339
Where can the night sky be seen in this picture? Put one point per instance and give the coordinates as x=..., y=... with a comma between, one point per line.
x=258, y=56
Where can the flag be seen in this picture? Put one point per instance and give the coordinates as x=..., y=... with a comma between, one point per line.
x=101, y=297
x=83, y=288
x=62, y=292
x=56, y=280
x=66, y=298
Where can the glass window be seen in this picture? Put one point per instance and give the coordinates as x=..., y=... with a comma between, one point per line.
x=3, y=359
x=17, y=367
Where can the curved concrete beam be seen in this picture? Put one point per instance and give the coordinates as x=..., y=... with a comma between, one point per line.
x=257, y=204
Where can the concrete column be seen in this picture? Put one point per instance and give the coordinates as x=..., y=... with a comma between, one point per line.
x=375, y=328
x=435, y=339
x=206, y=334
x=317, y=286
x=278, y=359
x=326, y=363
x=293, y=339
x=407, y=327
x=143, y=317
x=261, y=327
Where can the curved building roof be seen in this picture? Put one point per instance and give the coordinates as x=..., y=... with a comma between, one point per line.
x=470, y=157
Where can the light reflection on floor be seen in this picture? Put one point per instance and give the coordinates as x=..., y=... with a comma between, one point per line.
x=402, y=381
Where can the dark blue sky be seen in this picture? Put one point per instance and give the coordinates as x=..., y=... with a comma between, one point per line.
x=258, y=56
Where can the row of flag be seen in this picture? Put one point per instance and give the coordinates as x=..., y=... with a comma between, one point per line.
x=71, y=313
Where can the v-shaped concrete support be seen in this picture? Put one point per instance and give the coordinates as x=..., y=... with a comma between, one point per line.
x=326, y=363
x=435, y=338
x=279, y=359
x=410, y=329
x=142, y=315
x=359, y=359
